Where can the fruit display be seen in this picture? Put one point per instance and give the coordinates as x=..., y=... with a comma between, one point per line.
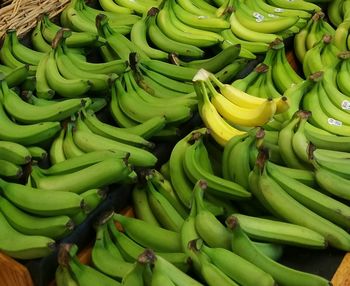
x=228, y=151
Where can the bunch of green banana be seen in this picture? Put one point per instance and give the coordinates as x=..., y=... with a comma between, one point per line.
x=134, y=102
x=295, y=202
x=82, y=18
x=12, y=157
x=311, y=34
x=324, y=54
x=90, y=134
x=325, y=93
x=338, y=12
x=261, y=21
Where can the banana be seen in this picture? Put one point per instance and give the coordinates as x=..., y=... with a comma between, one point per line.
x=27, y=113
x=211, y=23
x=88, y=142
x=217, y=185
x=43, y=90
x=95, y=176
x=53, y=227
x=300, y=143
x=70, y=150
x=37, y=153
x=36, y=201
x=38, y=41
x=21, y=246
x=285, y=143
x=141, y=205
x=160, y=278
x=231, y=39
x=183, y=32
x=304, y=176
x=131, y=250
x=263, y=229
x=335, y=11
x=248, y=34
x=175, y=275
x=14, y=152
x=208, y=227
x=319, y=117
x=325, y=140
x=343, y=86
x=111, y=67
x=167, y=215
x=131, y=84
x=63, y=277
x=210, y=273
x=135, y=275
x=7, y=57
x=320, y=203
x=148, y=235
x=81, y=273
x=220, y=258
x=239, y=97
x=243, y=246
x=64, y=87
x=112, y=132
x=23, y=53
x=106, y=257
x=111, y=6
x=98, y=82
x=173, y=71
x=181, y=184
x=299, y=44
x=177, y=86
x=237, y=115
x=312, y=61
x=56, y=150
x=16, y=76
x=221, y=131
x=217, y=62
x=331, y=109
x=26, y=134
x=257, y=22
x=10, y=170
x=325, y=178
x=168, y=42
x=163, y=186
x=296, y=5
x=138, y=36
x=229, y=72
x=130, y=104
x=276, y=196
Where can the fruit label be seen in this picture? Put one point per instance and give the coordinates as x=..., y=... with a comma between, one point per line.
x=279, y=10
x=258, y=17
x=272, y=16
x=334, y=122
x=345, y=104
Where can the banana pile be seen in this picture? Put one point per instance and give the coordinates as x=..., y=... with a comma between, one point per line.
x=257, y=149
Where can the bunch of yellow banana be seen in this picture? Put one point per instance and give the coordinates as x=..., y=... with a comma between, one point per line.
x=229, y=112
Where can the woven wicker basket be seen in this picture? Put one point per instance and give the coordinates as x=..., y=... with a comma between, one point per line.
x=22, y=14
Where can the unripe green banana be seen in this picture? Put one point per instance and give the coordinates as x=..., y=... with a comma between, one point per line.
x=53, y=227
x=21, y=246
x=141, y=205
x=14, y=152
x=246, y=274
x=97, y=175
x=280, y=232
x=149, y=235
x=89, y=142
x=39, y=202
x=244, y=247
x=106, y=257
x=165, y=213
x=207, y=225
